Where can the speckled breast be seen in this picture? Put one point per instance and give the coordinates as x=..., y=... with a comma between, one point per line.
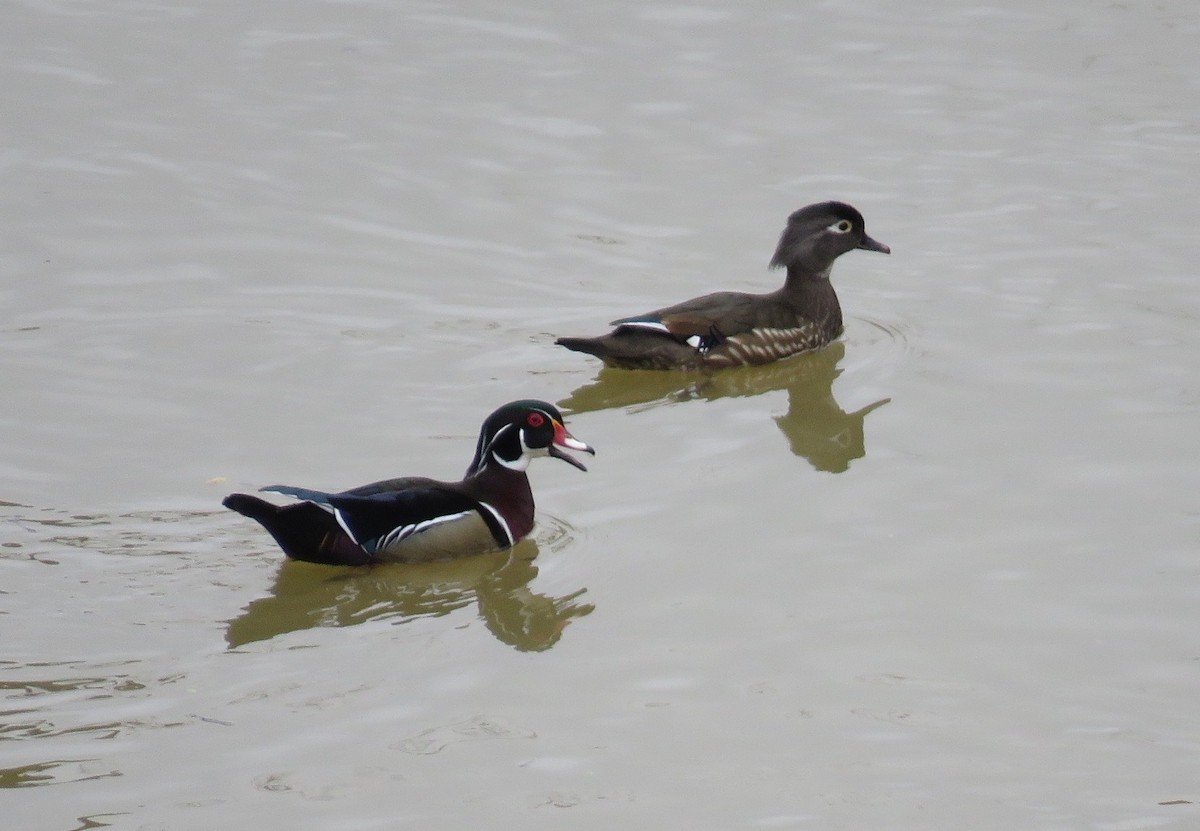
x=761, y=346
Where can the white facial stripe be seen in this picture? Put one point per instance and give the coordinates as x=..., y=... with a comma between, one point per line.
x=483, y=458
x=500, y=521
x=499, y=433
x=521, y=463
x=518, y=464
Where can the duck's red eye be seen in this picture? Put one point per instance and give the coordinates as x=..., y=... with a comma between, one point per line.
x=535, y=419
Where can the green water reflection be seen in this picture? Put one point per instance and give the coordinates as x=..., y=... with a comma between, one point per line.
x=815, y=425
x=306, y=596
x=53, y=772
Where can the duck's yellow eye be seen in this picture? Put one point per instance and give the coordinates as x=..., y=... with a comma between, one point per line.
x=842, y=226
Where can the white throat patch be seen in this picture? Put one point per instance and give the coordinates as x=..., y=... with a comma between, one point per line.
x=521, y=463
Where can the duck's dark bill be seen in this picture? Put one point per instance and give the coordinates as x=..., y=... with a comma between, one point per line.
x=563, y=439
x=869, y=244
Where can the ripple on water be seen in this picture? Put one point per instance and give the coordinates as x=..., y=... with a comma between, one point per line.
x=125, y=592
x=477, y=728
x=59, y=709
x=131, y=561
x=553, y=533
x=880, y=340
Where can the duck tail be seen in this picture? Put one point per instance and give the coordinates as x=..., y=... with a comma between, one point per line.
x=304, y=531
x=629, y=348
x=588, y=346
x=251, y=506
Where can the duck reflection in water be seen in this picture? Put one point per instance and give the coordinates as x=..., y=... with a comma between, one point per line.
x=816, y=427
x=306, y=596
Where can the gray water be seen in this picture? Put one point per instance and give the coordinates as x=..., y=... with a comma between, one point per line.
x=942, y=575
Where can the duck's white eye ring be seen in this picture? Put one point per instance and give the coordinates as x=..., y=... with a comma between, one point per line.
x=842, y=226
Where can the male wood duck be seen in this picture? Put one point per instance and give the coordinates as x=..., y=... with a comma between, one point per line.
x=415, y=519
x=733, y=328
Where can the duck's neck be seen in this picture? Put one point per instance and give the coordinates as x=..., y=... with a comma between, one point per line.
x=813, y=297
x=507, y=491
x=799, y=278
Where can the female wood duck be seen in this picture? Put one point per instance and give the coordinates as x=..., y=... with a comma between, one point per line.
x=732, y=328
x=415, y=519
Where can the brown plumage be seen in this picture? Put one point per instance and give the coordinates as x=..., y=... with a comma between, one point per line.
x=733, y=328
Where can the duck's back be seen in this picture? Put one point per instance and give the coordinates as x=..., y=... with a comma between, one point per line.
x=720, y=330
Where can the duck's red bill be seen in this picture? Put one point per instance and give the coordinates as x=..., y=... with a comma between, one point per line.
x=564, y=440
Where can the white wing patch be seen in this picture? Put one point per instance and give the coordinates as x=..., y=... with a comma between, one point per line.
x=405, y=531
x=654, y=325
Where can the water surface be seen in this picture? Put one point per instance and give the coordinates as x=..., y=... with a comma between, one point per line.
x=942, y=575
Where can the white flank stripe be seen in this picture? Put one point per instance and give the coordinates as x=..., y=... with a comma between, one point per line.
x=394, y=535
x=503, y=524
x=341, y=520
x=405, y=531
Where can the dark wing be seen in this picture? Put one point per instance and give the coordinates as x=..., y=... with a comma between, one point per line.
x=408, y=483
x=405, y=483
x=711, y=318
x=377, y=519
